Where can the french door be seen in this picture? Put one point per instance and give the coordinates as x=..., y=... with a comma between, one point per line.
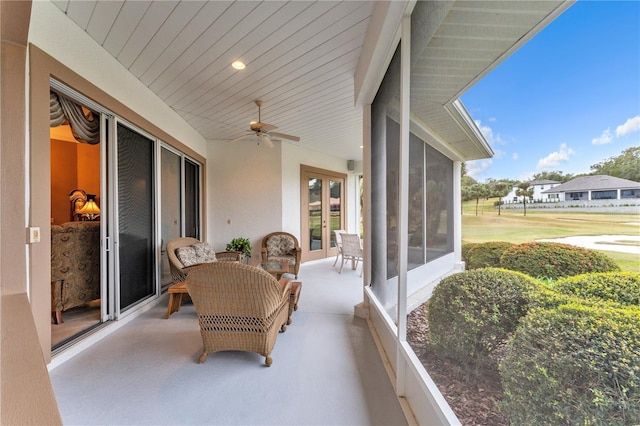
x=323, y=211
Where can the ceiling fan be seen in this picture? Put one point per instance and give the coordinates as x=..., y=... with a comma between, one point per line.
x=264, y=131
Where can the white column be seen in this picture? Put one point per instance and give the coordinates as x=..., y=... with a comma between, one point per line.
x=457, y=215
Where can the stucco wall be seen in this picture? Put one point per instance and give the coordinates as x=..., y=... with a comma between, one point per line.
x=244, y=198
x=254, y=190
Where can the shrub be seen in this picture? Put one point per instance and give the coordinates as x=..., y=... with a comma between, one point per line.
x=472, y=313
x=487, y=255
x=573, y=365
x=621, y=287
x=467, y=248
x=555, y=260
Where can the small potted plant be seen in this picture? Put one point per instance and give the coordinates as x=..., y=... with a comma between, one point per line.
x=243, y=245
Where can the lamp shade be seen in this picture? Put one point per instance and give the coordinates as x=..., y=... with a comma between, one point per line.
x=90, y=210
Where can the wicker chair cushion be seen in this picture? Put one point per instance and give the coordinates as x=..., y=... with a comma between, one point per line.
x=291, y=260
x=195, y=254
x=280, y=245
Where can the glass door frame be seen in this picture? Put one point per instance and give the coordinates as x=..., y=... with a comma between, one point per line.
x=114, y=217
x=184, y=159
x=327, y=176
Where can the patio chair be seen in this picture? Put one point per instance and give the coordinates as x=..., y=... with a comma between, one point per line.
x=179, y=270
x=337, y=233
x=282, y=246
x=239, y=307
x=351, y=250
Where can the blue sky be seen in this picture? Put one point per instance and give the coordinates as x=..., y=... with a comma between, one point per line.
x=568, y=99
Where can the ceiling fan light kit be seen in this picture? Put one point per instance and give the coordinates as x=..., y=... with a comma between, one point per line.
x=264, y=131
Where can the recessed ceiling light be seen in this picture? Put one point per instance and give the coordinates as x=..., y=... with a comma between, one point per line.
x=361, y=146
x=239, y=65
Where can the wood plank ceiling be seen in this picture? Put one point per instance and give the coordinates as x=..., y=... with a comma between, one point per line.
x=301, y=59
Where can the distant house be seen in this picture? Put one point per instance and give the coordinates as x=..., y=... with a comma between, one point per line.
x=539, y=187
x=598, y=187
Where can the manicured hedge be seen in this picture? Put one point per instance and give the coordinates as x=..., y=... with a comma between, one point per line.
x=467, y=248
x=472, y=313
x=574, y=364
x=555, y=260
x=487, y=255
x=621, y=287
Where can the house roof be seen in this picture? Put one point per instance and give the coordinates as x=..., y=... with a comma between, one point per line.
x=302, y=58
x=543, y=182
x=594, y=183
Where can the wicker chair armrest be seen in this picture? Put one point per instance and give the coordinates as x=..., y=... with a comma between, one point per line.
x=285, y=286
x=264, y=254
x=188, y=269
x=229, y=256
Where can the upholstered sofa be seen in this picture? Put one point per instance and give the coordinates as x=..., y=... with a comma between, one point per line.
x=75, y=266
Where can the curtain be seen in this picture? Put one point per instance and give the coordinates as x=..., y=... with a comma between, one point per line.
x=85, y=128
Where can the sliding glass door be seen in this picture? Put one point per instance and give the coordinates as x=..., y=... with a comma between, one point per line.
x=179, y=203
x=142, y=192
x=191, y=199
x=136, y=213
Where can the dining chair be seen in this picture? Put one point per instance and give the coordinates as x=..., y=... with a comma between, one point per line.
x=351, y=250
x=337, y=233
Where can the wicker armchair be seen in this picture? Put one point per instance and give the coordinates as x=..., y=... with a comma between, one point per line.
x=177, y=268
x=282, y=246
x=239, y=307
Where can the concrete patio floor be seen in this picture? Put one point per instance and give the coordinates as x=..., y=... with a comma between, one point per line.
x=326, y=369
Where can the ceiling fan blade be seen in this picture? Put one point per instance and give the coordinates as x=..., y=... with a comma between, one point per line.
x=239, y=138
x=267, y=127
x=285, y=136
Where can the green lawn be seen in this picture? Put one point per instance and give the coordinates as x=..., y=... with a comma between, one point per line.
x=514, y=227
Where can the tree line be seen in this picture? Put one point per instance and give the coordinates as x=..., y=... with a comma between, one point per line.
x=624, y=166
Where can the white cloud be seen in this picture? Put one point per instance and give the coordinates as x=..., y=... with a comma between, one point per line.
x=487, y=132
x=477, y=167
x=630, y=126
x=555, y=158
x=606, y=137
x=525, y=176
x=514, y=156
x=492, y=119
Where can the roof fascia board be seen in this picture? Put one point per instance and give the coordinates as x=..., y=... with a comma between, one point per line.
x=381, y=40
x=460, y=115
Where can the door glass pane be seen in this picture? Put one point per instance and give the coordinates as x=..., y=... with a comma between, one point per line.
x=135, y=217
x=77, y=209
x=192, y=199
x=315, y=214
x=335, y=209
x=171, y=224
